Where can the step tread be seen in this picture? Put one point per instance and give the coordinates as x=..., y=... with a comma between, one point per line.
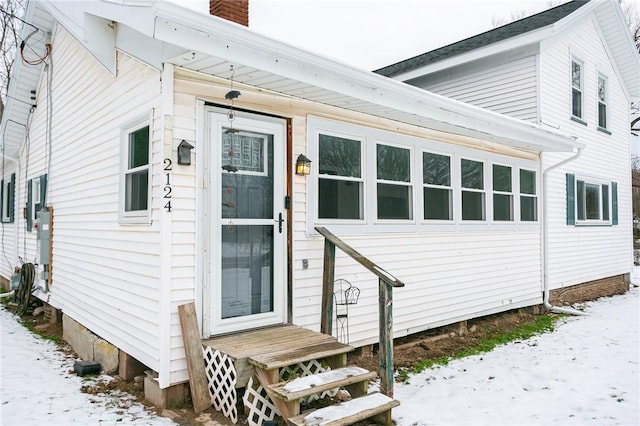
x=277, y=359
x=316, y=383
x=348, y=412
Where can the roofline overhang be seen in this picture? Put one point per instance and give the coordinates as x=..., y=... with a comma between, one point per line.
x=534, y=37
x=210, y=35
x=177, y=25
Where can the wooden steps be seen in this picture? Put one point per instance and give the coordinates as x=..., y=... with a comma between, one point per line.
x=303, y=387
x=264, y=353
x=374, y=405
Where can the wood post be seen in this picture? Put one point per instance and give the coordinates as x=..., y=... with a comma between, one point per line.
x=326, y=316
x=385, y=350
x=195, y=359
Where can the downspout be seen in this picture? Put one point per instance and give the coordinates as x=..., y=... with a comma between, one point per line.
x=545, y=239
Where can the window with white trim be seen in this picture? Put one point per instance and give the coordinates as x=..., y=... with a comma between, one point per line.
x=502, y=193
x=591, y=202
x=340, y=178
x=437, y=191
x=136, y=180
x=577, y=83
x=7, y=199
x=473, y=193
x=394, y=189
x=602, y=102
x=528, y=197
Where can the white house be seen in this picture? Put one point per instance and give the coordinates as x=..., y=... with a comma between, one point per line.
x=446, y=196
x=573, y=68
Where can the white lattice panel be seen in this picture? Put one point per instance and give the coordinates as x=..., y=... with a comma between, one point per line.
x=258, y=404
x=221, y=378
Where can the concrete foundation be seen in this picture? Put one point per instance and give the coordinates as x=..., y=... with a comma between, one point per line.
x=80, y=339
x=88, y=346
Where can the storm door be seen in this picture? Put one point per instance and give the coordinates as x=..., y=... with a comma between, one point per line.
x=247, y=275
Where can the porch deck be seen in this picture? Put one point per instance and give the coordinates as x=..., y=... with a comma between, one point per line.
x=274, y=347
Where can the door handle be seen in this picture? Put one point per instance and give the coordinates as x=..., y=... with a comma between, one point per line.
x=280, y=219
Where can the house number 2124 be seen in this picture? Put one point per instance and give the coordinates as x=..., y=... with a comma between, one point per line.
x=167, y=185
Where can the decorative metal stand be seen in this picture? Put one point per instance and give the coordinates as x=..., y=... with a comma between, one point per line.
x=344, y=295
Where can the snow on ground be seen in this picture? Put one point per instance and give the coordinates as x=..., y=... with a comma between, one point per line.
x=584, y=373
x=37, y=387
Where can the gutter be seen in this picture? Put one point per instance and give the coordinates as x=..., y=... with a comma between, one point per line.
x=545, y=239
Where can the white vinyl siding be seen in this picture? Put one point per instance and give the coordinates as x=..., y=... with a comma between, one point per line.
x=105, y=276
x=448, y=277
x=580, y=254
x=509, y=88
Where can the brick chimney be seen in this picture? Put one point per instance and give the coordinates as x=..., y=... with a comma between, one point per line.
x=232, y=10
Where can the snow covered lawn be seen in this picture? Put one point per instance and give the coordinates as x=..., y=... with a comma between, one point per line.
x=36, y=387
x=584, y=373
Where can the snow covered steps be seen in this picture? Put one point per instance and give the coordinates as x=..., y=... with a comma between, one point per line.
x=354, y=379
x=374, y=405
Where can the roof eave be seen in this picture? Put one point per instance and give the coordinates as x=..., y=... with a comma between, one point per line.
x=182, y=27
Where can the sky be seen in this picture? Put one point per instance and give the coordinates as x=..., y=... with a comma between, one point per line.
x=584, y=373
x=371, y=34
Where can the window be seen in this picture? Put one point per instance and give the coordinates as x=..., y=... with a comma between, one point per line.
x=528, y=198
x=602, y=102
x=502, y=193
x=577, y=81
x=437, y=191
x=7, y=199
x=36, y=198
x=393, y=182
x=135, y=178
x=340, y=178
x=591, y=202
x=473, y=197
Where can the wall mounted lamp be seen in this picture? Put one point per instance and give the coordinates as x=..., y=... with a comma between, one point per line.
x=303, y=165
x=184, y=153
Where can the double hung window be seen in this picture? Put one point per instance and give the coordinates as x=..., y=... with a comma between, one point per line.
x=502, y=193
x=136, y=174
x=473, y=194
x=7, y=199
x=602, y=102
x=394, y=187
x=340, y=178
x=437, y=190
x=577, y=83
x=528, y=197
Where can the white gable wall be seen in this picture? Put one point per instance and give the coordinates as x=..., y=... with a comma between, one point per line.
x=503, y=83
x=105, y=275
x=584, y=253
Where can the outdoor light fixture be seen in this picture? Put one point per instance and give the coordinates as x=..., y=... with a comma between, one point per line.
x=184, y=153
x=303, y=165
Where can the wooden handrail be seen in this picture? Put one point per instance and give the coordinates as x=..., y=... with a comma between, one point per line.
x=386, y=282
x=355, y=255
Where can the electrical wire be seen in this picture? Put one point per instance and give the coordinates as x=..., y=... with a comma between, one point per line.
x=39, y=59
x=12, y=16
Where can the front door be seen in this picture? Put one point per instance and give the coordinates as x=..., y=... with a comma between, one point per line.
x=247, y=274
